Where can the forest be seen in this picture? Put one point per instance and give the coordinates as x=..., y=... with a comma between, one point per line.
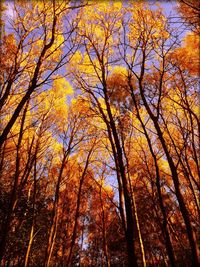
x=99, y=133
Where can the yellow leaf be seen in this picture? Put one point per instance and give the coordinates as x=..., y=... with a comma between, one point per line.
x=62, y=84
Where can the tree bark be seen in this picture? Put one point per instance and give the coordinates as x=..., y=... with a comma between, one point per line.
x=105, y=246
x=54, y=222
x=31, y=237
x=78, y=209
x=32, y=87
x=14, y=198
x=191, y=237
x=128, y=206
x=165, y=230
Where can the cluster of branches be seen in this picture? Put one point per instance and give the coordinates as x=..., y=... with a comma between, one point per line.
x=107, y=175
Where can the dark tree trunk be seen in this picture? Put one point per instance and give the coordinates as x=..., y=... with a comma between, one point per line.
x=165, y=230
x=14, y=192
x=175, y=178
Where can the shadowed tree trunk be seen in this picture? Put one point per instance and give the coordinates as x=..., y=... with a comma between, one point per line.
x=32, y=234
x=54, y=222
x=165, y=229
x=175, y=178
x=14, y=193
x=74, y=234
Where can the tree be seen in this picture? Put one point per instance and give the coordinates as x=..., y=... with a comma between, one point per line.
x=36, y=53
x=99, y=134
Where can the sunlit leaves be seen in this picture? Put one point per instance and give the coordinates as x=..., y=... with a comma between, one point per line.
x=147, y=26
x=111, y=103
x=62, y=85
x=186, y=56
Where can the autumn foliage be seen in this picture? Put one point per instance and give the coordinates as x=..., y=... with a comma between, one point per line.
x=99, y=134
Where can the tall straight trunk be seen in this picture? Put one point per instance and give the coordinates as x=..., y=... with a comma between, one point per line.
x=74, y=234
x=130, y=238
x=139, y=232
x=187, y=172
x=185, y=214
x=78, y=209
x=128, y=222
x=29, y=245
x=165, y=230
x=81, y=247
x=105, y=246
x=191, y=116
x=53, y=234
x=119, y=179
x=54, y=222
x=31, y=237
x=13, y=200
x=2, y=157
x=186, y=217
x=134, y=205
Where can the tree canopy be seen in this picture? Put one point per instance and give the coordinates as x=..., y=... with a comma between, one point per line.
x=99, y=133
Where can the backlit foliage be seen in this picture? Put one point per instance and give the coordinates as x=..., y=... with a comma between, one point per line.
x=99, y=133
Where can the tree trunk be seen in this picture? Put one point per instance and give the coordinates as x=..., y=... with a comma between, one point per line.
x=134, y=205
x=139, y=232
x=32, y=87
x=105, y=246
x=13, y=200
x=33, y=219
x=78, y=209
x=128, y=206
x=165, y=230
x=175, y=178
x=54, y=222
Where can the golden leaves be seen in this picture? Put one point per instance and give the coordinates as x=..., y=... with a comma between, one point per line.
x=187, y=55
x=98, y=23
x=61, y=85
x=149, y=26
